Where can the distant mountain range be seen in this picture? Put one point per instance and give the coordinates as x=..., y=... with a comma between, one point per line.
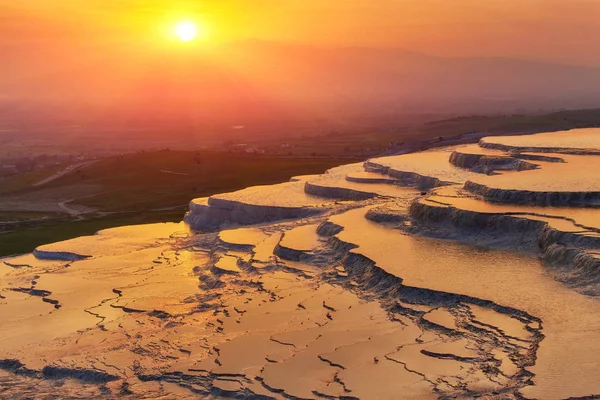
x=382, y=75
x=251, y=77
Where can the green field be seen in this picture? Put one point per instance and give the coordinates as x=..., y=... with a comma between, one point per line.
x=172, y=178
x=376, y=140
x=136, y=189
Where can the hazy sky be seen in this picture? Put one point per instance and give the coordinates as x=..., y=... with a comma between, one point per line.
x=559, y=30
x=124, y=55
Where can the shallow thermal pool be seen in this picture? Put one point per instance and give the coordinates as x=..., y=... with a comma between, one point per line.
x=570, y=322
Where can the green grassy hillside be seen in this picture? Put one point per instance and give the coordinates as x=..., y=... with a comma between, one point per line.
x=163, y=179
x=134, y=189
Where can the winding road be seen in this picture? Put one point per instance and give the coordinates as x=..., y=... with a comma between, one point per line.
x=66, y=171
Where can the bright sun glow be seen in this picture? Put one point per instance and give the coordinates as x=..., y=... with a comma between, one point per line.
x=186, y=31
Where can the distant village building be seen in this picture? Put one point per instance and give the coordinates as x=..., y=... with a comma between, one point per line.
x=9, y=168
x=255, y=150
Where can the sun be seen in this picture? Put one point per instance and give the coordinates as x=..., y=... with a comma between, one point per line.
x=186, y=31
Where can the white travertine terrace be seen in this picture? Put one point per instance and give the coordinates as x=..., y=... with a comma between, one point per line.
x=109, y=241
x=351, y=284
x=427, y=169
x=575, y=141
x=335, y=184
x=475, y=149
x=243, y=236
x=254, y=205
x=568, y=176
x=370, y=177
x=571, y=218
x=478, y=159
x=288, y=195
x=302, y=238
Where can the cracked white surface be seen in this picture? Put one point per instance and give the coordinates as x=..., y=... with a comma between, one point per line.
x=370, y=310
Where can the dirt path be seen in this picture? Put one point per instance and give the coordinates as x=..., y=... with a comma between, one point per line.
x=66, y=171
x=63, y=206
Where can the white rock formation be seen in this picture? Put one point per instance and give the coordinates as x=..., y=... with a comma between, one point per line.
x=351, y=284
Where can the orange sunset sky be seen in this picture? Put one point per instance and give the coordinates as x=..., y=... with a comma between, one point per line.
x=121, y=52
x=557, y=30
